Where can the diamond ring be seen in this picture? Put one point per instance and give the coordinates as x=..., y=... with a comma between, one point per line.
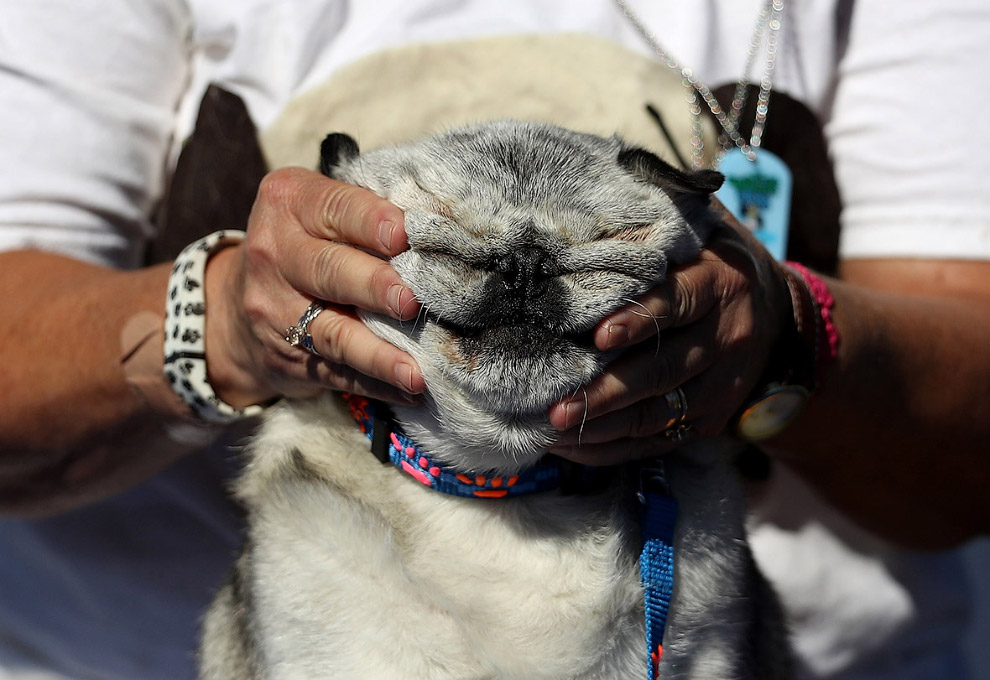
x=298, y=335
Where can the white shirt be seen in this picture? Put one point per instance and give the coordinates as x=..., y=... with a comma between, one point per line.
x=94, y=100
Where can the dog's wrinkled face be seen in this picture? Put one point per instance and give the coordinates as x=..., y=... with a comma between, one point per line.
x=522, y=238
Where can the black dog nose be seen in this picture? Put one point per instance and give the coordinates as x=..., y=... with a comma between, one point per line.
x=522, y=268
x=523, y=288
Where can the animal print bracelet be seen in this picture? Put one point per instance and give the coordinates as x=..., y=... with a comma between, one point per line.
x=185, y=331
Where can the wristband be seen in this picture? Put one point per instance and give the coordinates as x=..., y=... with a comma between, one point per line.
x=185, y=331
x=826, y=334
x=807, y=341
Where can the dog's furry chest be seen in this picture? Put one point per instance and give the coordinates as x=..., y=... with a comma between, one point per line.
x=370, y=563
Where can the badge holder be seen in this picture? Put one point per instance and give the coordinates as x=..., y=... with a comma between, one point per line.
x=758, y=193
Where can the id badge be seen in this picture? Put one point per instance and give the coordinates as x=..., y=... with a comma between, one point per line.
x=758, y=193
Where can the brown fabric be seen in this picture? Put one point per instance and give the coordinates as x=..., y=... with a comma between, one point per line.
x=216, y=177
x=794, y=133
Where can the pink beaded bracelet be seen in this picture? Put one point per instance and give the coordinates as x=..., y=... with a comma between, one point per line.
x=827, y=335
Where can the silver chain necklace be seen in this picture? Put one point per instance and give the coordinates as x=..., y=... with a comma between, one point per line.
x=769, y=21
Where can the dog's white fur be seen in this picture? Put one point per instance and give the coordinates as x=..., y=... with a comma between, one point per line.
x=353, y=570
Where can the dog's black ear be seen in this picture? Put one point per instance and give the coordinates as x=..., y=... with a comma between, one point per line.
x=335, y=149
x=648, y=166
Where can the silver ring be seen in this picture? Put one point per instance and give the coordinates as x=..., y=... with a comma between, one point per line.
x=677, y=403
x=298, y=335
x=679, y=433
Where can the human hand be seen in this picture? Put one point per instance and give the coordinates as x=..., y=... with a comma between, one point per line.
x=708, y=329
x=309, y=238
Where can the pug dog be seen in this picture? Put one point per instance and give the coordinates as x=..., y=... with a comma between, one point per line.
x=423, y=561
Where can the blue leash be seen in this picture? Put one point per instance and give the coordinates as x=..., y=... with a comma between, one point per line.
x=656, y=561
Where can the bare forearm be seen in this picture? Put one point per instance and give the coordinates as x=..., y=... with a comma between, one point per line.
x=71, y=429
x=898, y=434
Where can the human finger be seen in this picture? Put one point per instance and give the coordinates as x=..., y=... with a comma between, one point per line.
x=685, y=297
x=305, y=375
x=323, y=247
x=684, y=404
x=644, y=371
x=340, y=338
x=333, y=210
x=278, y=318
x=345, y=275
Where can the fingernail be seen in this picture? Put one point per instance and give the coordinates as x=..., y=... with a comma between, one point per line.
x=573, y=410
x=386, y=230
x=404, y=376
x=401, y=301
x=617, y=335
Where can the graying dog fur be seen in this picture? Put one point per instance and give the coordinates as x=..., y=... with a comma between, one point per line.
x=522, y=237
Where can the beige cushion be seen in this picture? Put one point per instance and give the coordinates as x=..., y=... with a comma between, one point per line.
x=578, y=81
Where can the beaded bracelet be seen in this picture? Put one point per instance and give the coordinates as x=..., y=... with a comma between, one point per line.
x=827, y=336
x=185, y=330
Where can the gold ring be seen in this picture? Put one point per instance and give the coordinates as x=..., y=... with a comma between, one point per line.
x=679, y=433
x=677, y=403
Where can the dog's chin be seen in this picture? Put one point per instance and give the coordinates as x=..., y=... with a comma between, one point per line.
x=515, y=370
x=519, y=370
x=489, y=389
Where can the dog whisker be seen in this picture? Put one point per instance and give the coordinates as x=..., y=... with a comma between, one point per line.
x=424, y=311
x=648, y=315
x=584, y=416
x=402, y=311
